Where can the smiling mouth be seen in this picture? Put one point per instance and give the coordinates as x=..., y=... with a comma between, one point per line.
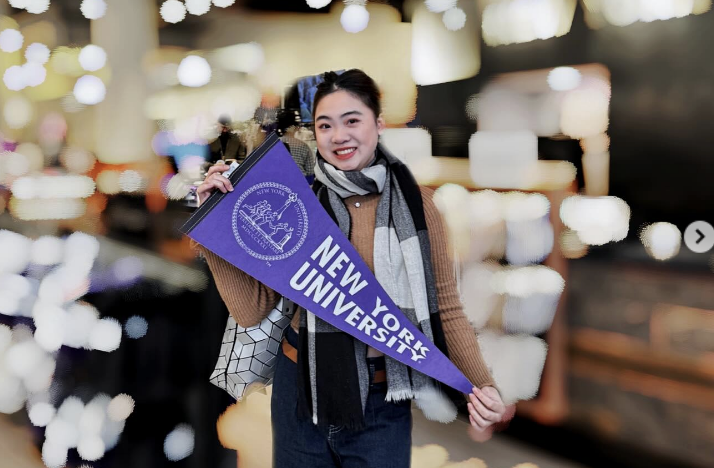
x=345, y=153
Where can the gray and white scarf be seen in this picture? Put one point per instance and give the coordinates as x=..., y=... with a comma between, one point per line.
x=333, y=364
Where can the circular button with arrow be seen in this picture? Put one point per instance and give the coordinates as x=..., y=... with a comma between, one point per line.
x=699, y=237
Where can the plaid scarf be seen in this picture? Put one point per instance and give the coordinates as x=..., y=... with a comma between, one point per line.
x=332, y=364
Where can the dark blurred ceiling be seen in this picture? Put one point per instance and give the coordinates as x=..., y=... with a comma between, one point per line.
x=294, y=6
x=301, y=6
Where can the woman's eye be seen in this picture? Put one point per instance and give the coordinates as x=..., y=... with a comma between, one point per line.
x=352, y=121
x=323, y=126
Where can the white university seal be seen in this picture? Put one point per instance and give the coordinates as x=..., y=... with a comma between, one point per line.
x=269, y=221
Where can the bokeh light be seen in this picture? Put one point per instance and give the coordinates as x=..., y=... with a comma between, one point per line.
x=246, y=58
x=71, y=410
x=44, y=209
x=517, y=362
x=173, y=11
x=89, y=90
x=50, y=319
x=223, y=3
x=515, y=21
x=526, y=281
x=68, y=186
x=37, y=6
x=19, y=4
x=81, y=321
x=179, y=442
x=33, y=154
x=439, y=6
x=108, y=182
x=627, y=12
x=54, y=455
x=47, y=250
x=194, y=71
x=91, y=447
x=16, y=164
x=318, y=3
x=121, y=407
x=177, y=187
x=564, y=78
x=23, y=358
x=479, y=299
x=11, y=40
x=62, y=433
x=198, y=7
x=41, y=379
x=595, y=144
x=77, y=160
x=597, y=220
x=136, y=327
x=41, y=414
x=585, y=112
x=92, y=57
x=661, y=240
x=571, y=246
x=454, y=19
x=15, y=251
x=93, y=9
x=14, y=78
x=37, y=53
x=106, y=335
x=13, y=290
x=131, y=181
x=81, y=250
x=354, y=18
x=17, y=112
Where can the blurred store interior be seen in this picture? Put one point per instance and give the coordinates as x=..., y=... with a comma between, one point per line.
x=570, y=144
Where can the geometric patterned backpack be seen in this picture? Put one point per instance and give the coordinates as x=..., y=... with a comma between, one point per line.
x=247, y=359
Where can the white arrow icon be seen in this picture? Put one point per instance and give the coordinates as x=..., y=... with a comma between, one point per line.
x=699, y=237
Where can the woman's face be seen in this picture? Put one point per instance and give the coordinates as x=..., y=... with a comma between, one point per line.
x=347, y=131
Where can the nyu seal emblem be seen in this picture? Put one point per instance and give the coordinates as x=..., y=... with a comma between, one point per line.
x=270, y=221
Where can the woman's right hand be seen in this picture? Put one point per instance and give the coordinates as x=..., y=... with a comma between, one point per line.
x=214, y=180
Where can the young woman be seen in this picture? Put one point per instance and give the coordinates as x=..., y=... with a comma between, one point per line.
x=337, y=402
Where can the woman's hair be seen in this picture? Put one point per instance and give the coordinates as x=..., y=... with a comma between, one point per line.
x=356, y=82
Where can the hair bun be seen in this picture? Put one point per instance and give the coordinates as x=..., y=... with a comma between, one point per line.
x=329, y=77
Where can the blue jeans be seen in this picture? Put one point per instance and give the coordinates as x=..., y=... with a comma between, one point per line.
x=385, y=442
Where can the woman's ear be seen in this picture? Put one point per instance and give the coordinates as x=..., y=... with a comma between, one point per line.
x=381, y=124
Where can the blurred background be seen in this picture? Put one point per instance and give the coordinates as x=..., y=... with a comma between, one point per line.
x=570, y=145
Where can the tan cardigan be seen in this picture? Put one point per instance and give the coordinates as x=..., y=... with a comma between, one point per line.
x=249, y=301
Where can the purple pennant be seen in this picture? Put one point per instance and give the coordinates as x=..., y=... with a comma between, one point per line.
x=273, y=228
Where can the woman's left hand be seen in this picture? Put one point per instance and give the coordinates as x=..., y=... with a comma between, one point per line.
x=486, y=408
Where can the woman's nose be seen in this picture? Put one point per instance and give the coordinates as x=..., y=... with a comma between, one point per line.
x=339, y=136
